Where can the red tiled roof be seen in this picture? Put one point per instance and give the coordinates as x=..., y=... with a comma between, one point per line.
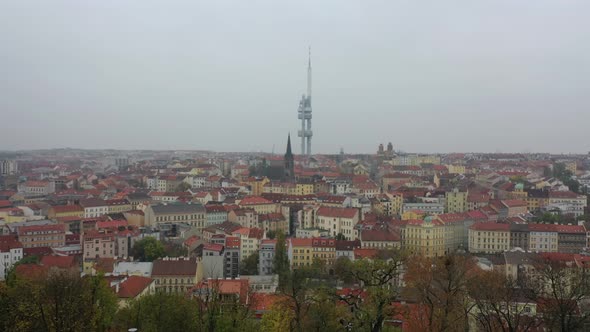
x=110, y=224
x=133, y=286
x=67, y=208
x=557, y=256
x=8, y=242
x=360, y=253
x=300, y=242
x=5, y=204
x=542, y=227
x=31, y=271
x=322, y=242
x=232, y=242
x=36, y=183
x=23, y=230
x=514, y=203
x=174, y=267
x=213, y=246
x=563, y=194
x=570, y=229
x=62, y=262
x=490, y=226
x=254, y=200
x=379, y=235
x=337, y=212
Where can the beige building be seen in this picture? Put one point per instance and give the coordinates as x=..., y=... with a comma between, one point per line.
x=338, y=221
x=489, y=237
x=192, y=214
x=456, y=201
x=176, y=275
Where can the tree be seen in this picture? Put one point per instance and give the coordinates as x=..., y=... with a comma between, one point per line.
x=340, y=237
x=324, y=314
x=271, y=234
x=501, y=303
x=379, y=287
x=249, y=265
x=183, y=186
x=441, y=286
x=62, y=301
x=278, y=318
x=160, y=312
x=563, y=289
x=148, y=249
x=281, y=261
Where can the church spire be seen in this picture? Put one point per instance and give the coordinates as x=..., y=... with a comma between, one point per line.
x=289, y=174
x=289, y=145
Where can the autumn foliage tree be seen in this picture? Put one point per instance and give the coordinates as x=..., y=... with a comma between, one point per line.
x=441, y=286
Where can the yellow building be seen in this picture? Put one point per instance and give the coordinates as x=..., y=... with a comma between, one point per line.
x=424, y=237
x=118, y=205
x=300, y=252
x=397, y=200
x=324, y=250
x=10, y=215
x=259, y=204
x=456, y=169
x=304, y=189
x=571, y=166
x=60, y=211
x=413, y=214
x=256, y=185
x=456, y=201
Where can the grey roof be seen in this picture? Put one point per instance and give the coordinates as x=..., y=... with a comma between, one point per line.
x=519, y=257
x=138, y=196
x=178, y=208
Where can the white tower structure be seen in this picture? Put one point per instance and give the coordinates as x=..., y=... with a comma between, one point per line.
x=304, y=114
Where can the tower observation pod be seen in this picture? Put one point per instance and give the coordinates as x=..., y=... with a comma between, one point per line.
x=304, y=114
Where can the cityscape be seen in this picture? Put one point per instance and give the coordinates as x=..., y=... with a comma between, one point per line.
x=301, y=237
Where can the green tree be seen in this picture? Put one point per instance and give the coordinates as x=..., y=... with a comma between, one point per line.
x=148, y=249
x=340, y=237
x=183, y=186
x=281, y=261
x=61, y=301
x=160, y=312
x=324, y=314
x=249, y=265
x=278, y=318
x=379, y=282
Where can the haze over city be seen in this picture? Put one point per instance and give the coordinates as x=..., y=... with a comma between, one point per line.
x=509, y=76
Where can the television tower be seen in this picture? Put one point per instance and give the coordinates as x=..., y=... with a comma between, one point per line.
x=304, y=114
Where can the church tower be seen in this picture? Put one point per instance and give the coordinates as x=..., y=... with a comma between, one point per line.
x=289, y=162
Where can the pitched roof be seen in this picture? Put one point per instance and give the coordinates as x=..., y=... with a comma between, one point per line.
x=490, y=226
x=254, y=200
x=62, y=262
x=92, y=202
x=174, y=267
x=300, y=242
x=178, y=208
x=67, y=208
x=379, y=235
x=337, y=212
x=133, y=286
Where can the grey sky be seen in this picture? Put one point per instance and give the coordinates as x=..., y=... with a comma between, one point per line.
x=436, y=76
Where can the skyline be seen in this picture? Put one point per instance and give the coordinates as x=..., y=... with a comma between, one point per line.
x=509, y=77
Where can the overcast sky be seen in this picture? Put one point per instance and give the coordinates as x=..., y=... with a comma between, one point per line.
x=429, y=76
